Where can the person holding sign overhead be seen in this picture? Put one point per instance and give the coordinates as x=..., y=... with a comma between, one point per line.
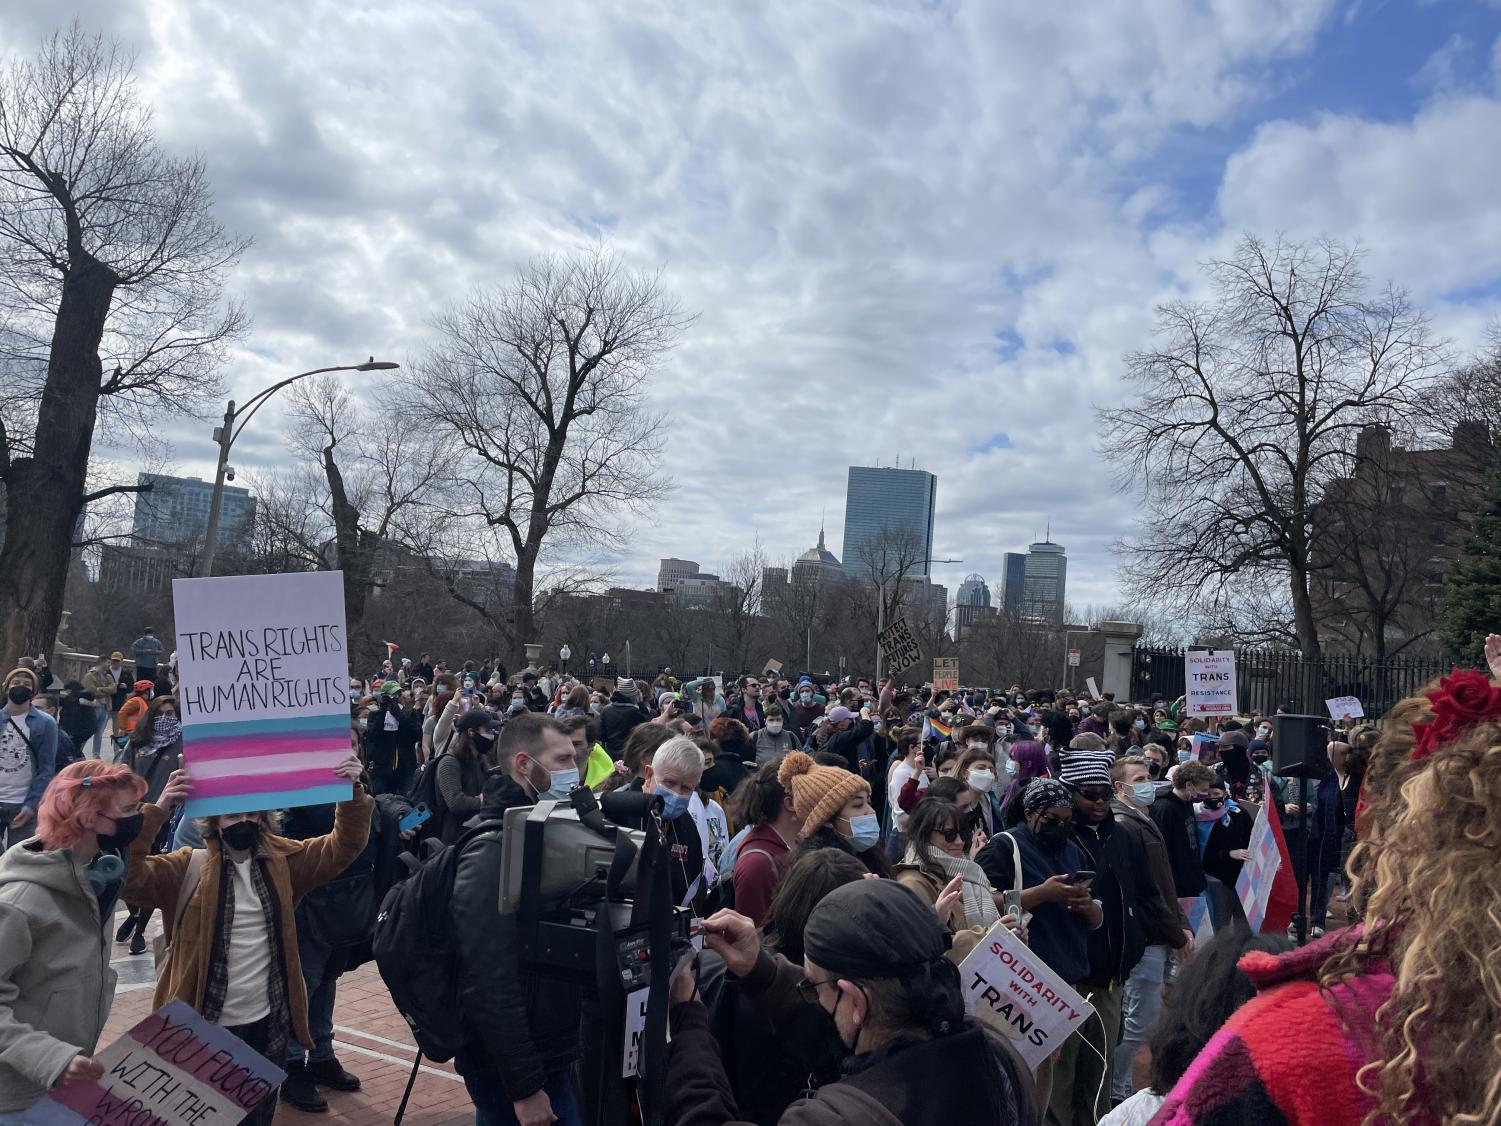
x=229, y=906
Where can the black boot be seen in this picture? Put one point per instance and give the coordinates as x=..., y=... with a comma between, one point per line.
x=138, y=943
x=331, y=1074
x=297, y=1090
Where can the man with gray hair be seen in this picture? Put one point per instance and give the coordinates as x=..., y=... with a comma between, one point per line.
x=673, y=772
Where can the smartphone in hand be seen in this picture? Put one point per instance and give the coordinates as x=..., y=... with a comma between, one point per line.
x=419, y=814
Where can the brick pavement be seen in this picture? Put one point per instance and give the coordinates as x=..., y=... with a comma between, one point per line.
x=371, y=1040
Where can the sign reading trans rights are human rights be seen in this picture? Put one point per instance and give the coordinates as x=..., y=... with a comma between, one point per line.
x=264, y=690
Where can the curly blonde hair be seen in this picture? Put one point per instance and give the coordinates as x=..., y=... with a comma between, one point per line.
x=1423, y=874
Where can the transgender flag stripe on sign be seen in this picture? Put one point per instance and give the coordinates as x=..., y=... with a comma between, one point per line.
x=272, y=762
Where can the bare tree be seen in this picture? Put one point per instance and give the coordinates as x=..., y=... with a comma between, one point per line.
x=543, y=388
x=111, y=271
x=380, y=476
x=736, y=609
x=1247, y=407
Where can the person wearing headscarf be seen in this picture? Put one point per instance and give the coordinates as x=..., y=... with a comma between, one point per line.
x=874, y=960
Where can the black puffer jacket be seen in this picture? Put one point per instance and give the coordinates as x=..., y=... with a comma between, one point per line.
x=1124, y=886
x=518, y=1029
x=618, y=719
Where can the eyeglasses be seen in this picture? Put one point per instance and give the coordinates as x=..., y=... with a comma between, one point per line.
x=807, y=989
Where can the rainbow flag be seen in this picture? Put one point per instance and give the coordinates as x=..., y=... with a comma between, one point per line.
x=939, y=729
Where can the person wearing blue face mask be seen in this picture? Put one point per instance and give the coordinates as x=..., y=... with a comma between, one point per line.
x=673, y=772
x=834, y=806
x=521, y=1034
x=1166, y=929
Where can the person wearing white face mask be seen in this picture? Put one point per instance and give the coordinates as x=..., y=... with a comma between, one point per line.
x=977, y=770
x=1168, y=930
x=775, y=739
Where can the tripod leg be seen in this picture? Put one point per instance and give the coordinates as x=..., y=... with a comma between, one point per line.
x=407, y=1094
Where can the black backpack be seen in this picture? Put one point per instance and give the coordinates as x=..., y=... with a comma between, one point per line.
x=414, y=950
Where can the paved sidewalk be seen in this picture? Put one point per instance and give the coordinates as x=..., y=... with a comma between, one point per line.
x=370, y=1038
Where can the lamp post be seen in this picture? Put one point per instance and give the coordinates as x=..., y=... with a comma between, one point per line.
x=235, y=419
x=565, y=653
x=881, y=605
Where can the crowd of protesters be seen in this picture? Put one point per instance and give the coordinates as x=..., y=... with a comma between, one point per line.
x=845, y=844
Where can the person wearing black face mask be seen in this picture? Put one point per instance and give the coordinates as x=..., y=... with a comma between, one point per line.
x=461, y=768
x=1063, y=908
x=874, y=964
x=57, y=893
x=28, y=756
x=234, y=954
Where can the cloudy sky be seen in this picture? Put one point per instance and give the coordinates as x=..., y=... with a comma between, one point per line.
x=912, y=230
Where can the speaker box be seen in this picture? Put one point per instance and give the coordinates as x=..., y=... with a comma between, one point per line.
x=1300, y=746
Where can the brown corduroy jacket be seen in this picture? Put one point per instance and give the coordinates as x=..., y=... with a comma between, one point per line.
x=294, y=867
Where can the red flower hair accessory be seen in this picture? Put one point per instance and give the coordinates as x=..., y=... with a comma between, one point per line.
x=1463, y=698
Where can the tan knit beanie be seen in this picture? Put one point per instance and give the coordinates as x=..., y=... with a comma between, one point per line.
x=818, y=792
x=36, y=681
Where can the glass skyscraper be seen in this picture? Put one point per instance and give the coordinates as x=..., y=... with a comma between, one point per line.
x=882, y=501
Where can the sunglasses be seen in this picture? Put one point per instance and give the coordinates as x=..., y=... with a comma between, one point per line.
x=950, y=834
x=1096, y=793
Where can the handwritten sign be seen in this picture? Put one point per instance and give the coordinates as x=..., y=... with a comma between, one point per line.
x=1254, y=885
x=945, y=674
x=772, y=668
x=264, y=693
x=899, y=647
x=1210, y=677
x=1342, y=706
x=1014, y=991
x=172, y=1069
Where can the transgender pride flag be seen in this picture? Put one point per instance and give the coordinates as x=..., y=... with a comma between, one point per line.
x=264, y=691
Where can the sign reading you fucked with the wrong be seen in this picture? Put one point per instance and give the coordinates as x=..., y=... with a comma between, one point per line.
x=172, y=1069
x=263, y=663
x=1014, y=991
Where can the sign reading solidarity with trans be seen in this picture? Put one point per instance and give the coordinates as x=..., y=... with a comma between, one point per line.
x=1010, y=988
x=1210, y=677
x=264, y=691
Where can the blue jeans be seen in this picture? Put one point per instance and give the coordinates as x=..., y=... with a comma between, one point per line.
x=492, y=1106
x=1140, y=1007
x=101, y=721
x=320, y=973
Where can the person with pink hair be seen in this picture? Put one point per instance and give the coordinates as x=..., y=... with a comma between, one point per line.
x=57, y=894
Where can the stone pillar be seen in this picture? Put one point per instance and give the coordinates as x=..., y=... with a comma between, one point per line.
x=1120, y=640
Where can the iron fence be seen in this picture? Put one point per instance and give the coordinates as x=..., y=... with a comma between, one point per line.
x=1267, y=679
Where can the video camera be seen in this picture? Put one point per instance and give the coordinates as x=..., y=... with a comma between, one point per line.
x=590, y=886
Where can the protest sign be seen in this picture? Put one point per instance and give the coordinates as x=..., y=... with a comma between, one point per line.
x=1342, y=706
x=1210, y=677
x=773, y=668
x=635, y=1029
x=1254, y=885
x=945, y=673
x=1011, y=989
x=1199, y=742
x=898, y=647
x=1093, y=688
x=264, y=692
x=172, y=1069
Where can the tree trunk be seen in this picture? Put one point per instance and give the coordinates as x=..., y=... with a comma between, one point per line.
x=1303, y=619
x=523, y=614
x=353, y=550
x=43, y=492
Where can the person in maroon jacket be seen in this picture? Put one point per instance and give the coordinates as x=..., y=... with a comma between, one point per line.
x=762, y=803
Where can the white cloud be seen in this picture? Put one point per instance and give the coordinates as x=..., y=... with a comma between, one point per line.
x=858, y=197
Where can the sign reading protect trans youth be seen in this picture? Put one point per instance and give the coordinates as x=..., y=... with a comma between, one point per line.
x=264, y=690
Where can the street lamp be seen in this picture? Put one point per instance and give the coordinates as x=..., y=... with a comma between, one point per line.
x=881, y=604
x=565, y=653
x=225, y=435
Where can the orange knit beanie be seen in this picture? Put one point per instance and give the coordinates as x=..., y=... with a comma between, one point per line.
x=818, y=792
